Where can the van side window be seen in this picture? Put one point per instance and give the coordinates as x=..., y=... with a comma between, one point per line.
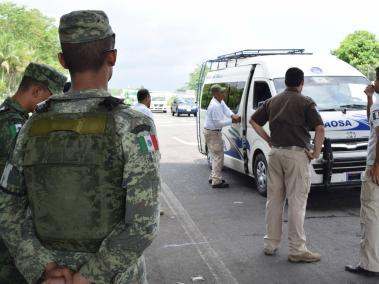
x=206, y=95
x=233, y=98
x=261, y=93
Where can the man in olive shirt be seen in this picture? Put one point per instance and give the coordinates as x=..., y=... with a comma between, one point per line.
x=290, y=115
x=38, y=83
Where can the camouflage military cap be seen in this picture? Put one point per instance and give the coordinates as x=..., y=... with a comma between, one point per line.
x=84, y=26
x=217, y=88
x=47, y=76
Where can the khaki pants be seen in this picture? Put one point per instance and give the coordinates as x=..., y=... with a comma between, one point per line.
x=369, y=252
x=215, y=146
x=288, y=177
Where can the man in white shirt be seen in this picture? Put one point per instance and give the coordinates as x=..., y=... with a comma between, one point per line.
x=369, y=251
x=144, y=101
x=218, y=116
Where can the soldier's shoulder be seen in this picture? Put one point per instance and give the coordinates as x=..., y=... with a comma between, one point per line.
x=10, y=114
x=135, y=120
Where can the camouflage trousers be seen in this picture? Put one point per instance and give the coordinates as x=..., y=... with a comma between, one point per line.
x=9, y=274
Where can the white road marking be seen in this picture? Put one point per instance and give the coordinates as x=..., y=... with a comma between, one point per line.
x=183, y=245
x=174, y=124
x=216, y=266
x=184, y=142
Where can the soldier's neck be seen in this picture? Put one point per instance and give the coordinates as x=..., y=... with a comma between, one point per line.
x=89, y=81
x=23, y=100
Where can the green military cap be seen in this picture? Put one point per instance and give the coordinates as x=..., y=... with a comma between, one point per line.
x=217, y=88
x=47, y=76
x=84, y=26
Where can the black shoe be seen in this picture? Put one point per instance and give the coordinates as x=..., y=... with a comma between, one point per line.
x=220, y=185
x=359, y=270
x=210, y=181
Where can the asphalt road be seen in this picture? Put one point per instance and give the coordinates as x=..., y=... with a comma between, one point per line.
x=217, y=235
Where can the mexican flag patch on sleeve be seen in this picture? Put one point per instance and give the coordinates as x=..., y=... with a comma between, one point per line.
x=14, y=129
x=148, y=143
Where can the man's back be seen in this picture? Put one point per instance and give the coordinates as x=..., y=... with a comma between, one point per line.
x=91, y=187
x=291, y=116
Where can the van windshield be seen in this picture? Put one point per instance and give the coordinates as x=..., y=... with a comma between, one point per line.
x=159, y=99
x=332, y=93
x=186, y=101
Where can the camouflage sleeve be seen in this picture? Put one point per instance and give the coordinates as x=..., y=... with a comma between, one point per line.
x=122, y=249
x=15, y=223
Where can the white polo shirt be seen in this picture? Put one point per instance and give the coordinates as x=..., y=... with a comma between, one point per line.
x=144, y=109
x=374, y=122
x=218, y=115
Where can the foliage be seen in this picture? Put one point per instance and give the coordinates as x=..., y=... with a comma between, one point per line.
x=360, y=49
x=25, y=35
x=192, y=84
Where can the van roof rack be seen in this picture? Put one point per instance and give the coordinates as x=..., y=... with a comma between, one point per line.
x=242, y=54
x=256, y=52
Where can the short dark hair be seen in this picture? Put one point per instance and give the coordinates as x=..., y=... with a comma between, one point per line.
x=294, y=77
x=377, y=73
x=27, y=82
x=88, y=56
x=142, y=94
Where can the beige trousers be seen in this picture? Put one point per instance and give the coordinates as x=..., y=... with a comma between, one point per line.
x=215, y=145
x=288, y=177
x=369, y=252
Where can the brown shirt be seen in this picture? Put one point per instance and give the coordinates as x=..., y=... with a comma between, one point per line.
x=290, y=115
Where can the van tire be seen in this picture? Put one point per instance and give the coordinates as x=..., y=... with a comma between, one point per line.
x=260, y=169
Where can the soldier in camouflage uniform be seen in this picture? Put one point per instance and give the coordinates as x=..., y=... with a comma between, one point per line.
x=38, y=83
x=80, y=193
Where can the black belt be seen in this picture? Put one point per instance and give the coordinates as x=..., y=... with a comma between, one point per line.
x=212, y=129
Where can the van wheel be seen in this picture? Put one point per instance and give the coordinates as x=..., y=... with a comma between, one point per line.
x=260, y=174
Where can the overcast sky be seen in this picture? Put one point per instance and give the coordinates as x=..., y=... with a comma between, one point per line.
x=160, y=42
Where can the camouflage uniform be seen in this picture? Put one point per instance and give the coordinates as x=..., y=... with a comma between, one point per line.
x=105, y=158
x=12, y=117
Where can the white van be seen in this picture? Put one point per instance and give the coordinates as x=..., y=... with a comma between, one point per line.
x=253, y=76
x=158, y=102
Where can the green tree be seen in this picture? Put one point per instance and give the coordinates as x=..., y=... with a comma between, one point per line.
x=192, y=84
x=360, y=49
x=25, y=35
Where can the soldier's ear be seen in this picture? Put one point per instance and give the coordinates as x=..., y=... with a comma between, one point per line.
x=111, y=57
x=61, y=60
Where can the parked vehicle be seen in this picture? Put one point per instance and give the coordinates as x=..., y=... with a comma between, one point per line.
x=184, y=106
x=158, y=102
x=253, y=76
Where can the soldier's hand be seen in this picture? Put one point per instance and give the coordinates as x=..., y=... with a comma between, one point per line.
x=374, y=173
x=80, y=279
x=55, y=280
x=55, y=274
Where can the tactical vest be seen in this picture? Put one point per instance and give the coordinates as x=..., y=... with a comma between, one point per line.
x=73, y=174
